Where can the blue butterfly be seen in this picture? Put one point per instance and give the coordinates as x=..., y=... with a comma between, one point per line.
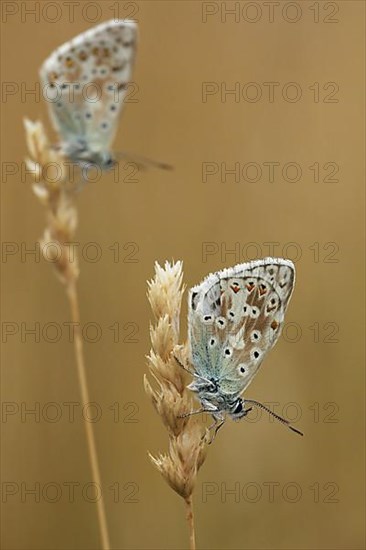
x=86, y=81
x=235, y=317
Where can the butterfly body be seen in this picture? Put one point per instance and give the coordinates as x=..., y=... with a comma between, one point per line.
x=80, y=153
x=215, y=401
x=85, y=82
x=235, y=318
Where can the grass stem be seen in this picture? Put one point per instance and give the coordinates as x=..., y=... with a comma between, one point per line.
x=190, y=520
x=89, y=432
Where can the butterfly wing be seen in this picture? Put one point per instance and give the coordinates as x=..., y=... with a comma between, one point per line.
x=85, y=82
x=235, y=318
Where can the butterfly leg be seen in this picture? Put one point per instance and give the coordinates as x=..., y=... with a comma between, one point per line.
x=216, y=425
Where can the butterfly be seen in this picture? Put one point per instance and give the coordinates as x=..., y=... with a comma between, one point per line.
x=235, y=317
x=86, y=81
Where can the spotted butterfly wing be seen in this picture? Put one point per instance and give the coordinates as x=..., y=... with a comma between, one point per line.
x=85, y=81
x=235, y=318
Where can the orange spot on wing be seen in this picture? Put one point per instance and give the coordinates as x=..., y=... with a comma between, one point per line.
x=235, y=289
x=52, y=77
x=274, y=325
x=250, y=287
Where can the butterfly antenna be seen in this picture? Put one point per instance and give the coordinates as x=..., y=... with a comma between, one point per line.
x=276, y=416
x=143, y=162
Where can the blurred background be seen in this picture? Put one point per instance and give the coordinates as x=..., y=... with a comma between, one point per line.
x=259, y=108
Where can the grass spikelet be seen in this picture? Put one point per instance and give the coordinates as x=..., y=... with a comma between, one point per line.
x=187, y=442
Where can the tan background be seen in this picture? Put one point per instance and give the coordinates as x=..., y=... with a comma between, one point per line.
x=170, y=215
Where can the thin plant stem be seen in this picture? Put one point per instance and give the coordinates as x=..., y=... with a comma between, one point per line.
x=71, y=291
x=190, y=521
x=58, y=198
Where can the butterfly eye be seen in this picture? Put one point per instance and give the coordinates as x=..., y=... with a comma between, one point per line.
x=255, y=336
x=239, y=407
